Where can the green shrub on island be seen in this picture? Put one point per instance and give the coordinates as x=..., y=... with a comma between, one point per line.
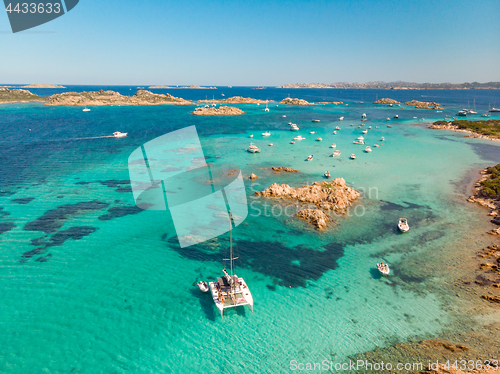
x=491, y=186
x=490, y=127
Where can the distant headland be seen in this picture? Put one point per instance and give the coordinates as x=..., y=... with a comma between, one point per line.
x=42, y=86
x=399, y=85
x=193, y=86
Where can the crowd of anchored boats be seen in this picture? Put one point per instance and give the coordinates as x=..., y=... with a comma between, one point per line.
x=252, y=148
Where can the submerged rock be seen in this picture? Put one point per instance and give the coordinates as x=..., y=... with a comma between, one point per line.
x=316, y=216
x=284, y=168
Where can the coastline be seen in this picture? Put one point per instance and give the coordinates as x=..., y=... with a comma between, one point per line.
x=451, y=127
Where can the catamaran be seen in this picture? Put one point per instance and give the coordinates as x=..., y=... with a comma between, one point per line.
x=230, y=291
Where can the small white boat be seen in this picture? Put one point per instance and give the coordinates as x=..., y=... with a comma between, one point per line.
x=203, y=286
x=312, y=132
x=368, y=149
x=462, y=113
x=383, y=268
x=252, y=148
x=300, y=137
x=365, y=131
x=333, y=145
x=337, y=128
x=361, y=137
x=118, y=134
x=270, y=144
x=376, y=145
x=369, y=127
x=251, y=135
x=377, y=127
x=363, y=116
x=415, y=117
x=389, y=126
x=335, y=133
x=284, y=116
x=266, y=110
x=353, y=157
x=403, y=225
x=315, y=120
x=341, y=118
x=294, y=127
x=86, y=109
x=494, y=110
x=327, y=174
x=359, y=127
x=310, y=157
x=267, y=133
x=362, y=142
x=336, y=153
x=382, y=138
x=289, y=123
x=396, y=116
x=292, y=142
x=388, y=119
x=319, y=138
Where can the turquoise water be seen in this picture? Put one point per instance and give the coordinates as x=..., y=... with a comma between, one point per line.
x=92, y=284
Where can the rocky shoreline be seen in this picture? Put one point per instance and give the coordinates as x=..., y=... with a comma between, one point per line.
x=326, y=197
x=453, y=126
x=220, y=111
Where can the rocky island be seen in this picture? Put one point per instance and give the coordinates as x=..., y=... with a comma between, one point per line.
x=386, y=101
x=42, y=86
x=220, y=111
x=237, y=100
x=194, y=86
x=8, y=95
x=423, y=105
x=102, y=98
x=316, y=201
x=290, y=101
x=398, y=85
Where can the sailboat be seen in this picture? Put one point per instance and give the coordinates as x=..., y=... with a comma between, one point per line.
x=230, y=291
x=267, y=109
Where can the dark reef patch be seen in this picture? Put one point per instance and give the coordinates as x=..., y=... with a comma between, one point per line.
x=44, y=258
x=6, y=226
x=53, y=219
x=273, y=259
x=6, y=193
x=3, y=213
x=120, y=211
x=24, y=200
x=122, y=185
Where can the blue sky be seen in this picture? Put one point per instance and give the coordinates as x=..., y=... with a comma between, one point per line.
x=257, y=43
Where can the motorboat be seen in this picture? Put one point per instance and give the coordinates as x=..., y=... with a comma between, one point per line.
x=252, y=148
x=267, y=133
x=203, y=286
x=333, y=145
x=376, y=145
x=336, y=153
x=365, y=131
x=494, y=110
x=289, y=123
x=341, y=118
x=359, y=127
x=359, y=142
x=388, y=119
x=389, y=126
x=382, y=138
x=292, y=142
x=396, y=116
x=315, y=120
x=361, y=137
x=327, y=174
x=312, y=132
x=368, y=149
x=403, y=225
x=363, y=116
x=337, y=128
x=86, y=109
x=353, y=157
x=300, y=137
x=383, y=268
x=270, y=144
x=310, y=157
x=319, y=138
x=284, y=116
x=294, y=127
x=335, y=133
x=118, y=134
x=369, y=127
x=462, y=113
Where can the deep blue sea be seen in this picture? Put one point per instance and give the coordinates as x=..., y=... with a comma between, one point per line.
x=92, y=284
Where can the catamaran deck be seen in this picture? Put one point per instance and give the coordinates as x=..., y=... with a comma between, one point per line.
x=224, y=297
